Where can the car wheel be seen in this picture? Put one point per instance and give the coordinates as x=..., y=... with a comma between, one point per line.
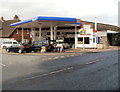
x=4, y=47
x=8, y=50
x=19, y=51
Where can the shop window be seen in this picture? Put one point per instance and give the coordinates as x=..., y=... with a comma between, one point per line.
x=99, y=40
x=48, y=33
x=70, y=32
x=80, y=40
x=37, y=34
x=27, y=31
x=58, y=33
x=87, y=40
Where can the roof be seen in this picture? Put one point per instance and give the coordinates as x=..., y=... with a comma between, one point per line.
x=101, y=26
x=47, y=20
x=7, y=30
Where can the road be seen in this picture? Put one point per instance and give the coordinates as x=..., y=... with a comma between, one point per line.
x=90, y=71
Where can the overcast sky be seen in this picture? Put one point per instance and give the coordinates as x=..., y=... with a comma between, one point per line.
x=106, y=11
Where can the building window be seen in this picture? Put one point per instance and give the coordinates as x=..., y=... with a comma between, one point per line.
x=58, y=33
x=48, y=33
x=99, y=40
x=80, y=40
x=17, y=31
x=70, y=32
x=87, y=40
x=27, y=31
x=0, y=29
x=36, y=34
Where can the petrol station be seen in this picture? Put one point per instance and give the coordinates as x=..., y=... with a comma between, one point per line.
x=47, y=22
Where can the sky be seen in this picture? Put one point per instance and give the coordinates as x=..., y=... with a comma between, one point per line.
x=105, y=11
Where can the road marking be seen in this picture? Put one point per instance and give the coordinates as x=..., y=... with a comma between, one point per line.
x=56, y=57
x=2, y=64
x=49, y=58
x=54, y=72
x=67, y=55
x=93, y=61
x=62, y=56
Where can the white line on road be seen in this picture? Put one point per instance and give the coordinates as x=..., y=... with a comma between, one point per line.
x=56, y=57
x=93, y=61
x=49, y=58
x=54, y=72
x=62, y=56
x=2, y=64
x=68, y=56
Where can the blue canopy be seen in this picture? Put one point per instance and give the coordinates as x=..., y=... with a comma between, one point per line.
x=77, y=23
x=47, y=19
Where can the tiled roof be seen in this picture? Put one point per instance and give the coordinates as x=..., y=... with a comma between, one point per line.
x=7, y=30
x=101, y=26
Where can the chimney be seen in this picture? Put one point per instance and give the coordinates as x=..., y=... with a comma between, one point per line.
x=16, y=17
x=2, y=19
x=78, y=20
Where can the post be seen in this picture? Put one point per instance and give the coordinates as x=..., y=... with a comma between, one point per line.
x=22, y=35
x=39, y=32
x=55, y=32
x=83, y=42
x=76, y=37
x=95, y=23
x=33, y=34
x=95, y=45
x=51, y=29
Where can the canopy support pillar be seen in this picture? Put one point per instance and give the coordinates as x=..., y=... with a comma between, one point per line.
x=76, y=37
x=40, y=29
x=22, y=35
x=55, y=28
x=51, y=30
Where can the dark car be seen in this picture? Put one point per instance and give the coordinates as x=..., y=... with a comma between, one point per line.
x=37, y=45
x=20, y=48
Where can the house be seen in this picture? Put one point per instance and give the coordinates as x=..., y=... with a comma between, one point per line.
x=6, y=31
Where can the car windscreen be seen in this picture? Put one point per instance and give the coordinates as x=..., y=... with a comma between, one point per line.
x=15, y=42
x=44, y=43
x=41, y=43
x=37, y=44
x=16, y=45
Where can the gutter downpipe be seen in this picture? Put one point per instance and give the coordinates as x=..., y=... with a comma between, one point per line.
x=40, y=29
x=22, y=35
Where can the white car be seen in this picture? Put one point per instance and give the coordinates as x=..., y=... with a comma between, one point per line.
x=7, y=44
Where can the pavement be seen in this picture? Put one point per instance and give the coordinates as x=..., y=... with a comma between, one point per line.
x=67, y=51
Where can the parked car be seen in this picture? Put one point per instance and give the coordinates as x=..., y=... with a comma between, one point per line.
x=20, y=48
x=7, y=44
x=36, y=46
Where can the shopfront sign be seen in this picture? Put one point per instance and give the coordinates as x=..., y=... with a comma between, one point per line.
x=86, y=26
x=87, y=32
x=101, y=33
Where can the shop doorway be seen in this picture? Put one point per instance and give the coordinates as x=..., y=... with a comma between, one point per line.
x=113, y=39
x=69, y=40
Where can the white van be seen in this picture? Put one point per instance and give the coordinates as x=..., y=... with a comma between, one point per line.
x=6, y=44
